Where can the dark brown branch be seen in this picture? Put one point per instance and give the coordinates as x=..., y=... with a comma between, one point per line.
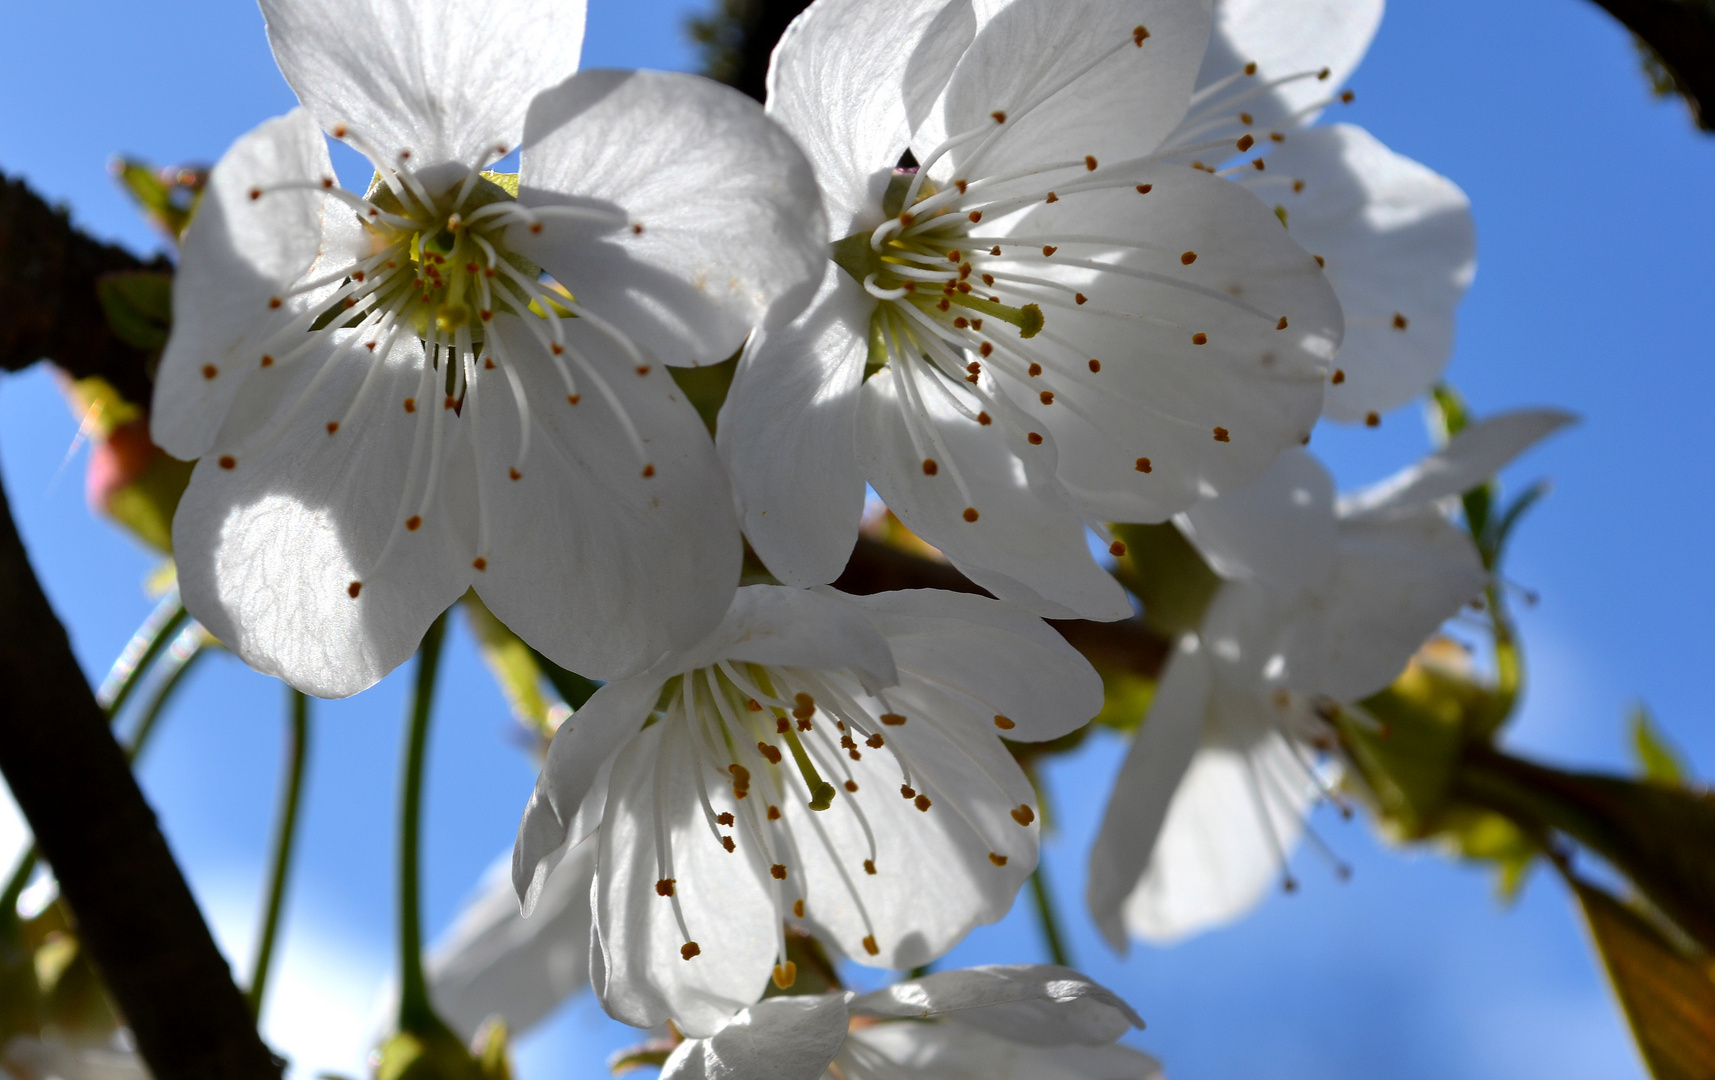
x=1682, y=35
x=134, y=911
x=1117, y=646
x=49, y=308
x=738, y=40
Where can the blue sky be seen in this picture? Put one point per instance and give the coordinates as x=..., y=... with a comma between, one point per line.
x=1593, y=293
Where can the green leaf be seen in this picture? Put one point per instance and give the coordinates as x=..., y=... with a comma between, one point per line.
x=1165, y=572
x=138, y=305
x=1510, y=517
x=706, y=387
x=1659, y=761
x=1126, y=698
x=168, y=197
x=1667, y=995
x=1482, y=836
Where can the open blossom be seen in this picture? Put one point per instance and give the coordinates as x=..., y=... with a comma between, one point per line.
x=392, y=403
x=826, y=761
x=1039, y=1021
x=1395, y=238
x=1325, y=602
x=1058, y=326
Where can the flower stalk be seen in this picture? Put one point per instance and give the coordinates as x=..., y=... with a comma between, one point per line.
x=416, y=1014
x=285, y=833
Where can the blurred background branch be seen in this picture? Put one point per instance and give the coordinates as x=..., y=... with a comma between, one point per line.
x=1677, y=40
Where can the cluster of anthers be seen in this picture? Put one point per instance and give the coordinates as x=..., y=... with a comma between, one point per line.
x=741, y=722
x=438, y=268
x=941, y=274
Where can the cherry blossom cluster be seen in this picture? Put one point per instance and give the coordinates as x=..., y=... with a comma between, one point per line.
x=1022, y=269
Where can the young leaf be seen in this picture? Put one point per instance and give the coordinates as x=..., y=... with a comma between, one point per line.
x=1659, y=761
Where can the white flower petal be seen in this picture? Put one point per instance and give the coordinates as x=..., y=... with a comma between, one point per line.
x=1027, y=545
x=994, y=656
x=1398, y=581
x=787, y=1038
x=778, y=625
x=449, y=81
x=293, y=551
x=567, y=801
x=716, y=222
x=1471, y=457
x=1194, y=258
x=1400, y=249
x=1279, y=530
x=240, y=254
x=1286, y=39
x=934, y=880
x=837, y=83
x=1237, y=812
x=643, y=978
x=605, y=553
x=494, y=962
x=1160, y=754
x=786, y=435
x=1070, y=78
x=1037, y=1004
x=954, y=1051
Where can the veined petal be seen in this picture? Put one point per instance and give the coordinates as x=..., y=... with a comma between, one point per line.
x=787, y=1038
x=712, y=222
x=1398, y=580
x=494, y=962
x=447, y=81
x=1279, y=531
x=787, y=430
x=571, y=790
x=1285, y=39
x=291, y=540
x=1009, y=527
x=1235, y=818
x=609, y=548
x=1471, y=457
x=649, y=971
x=1055, y=80
x=1400, y=251
x=994, y=656
x=957, y=1050
x=1153, y=770
x=248, y=247
x=1212, y=330
x=838, y=81
x=1037, y=1004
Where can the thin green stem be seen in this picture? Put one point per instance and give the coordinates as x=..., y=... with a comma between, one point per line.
x=285, y=832
x=416, y=1015
x=156, y=633
x=178, y=664
x=1045, y=915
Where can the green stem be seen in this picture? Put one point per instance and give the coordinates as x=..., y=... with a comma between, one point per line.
x=176, y=666
x=1045, y=915
x=156, y=633
x=416, y=1015
x=285, y=832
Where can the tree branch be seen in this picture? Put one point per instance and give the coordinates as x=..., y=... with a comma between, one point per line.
x=1682, y=35
x=134, y=910
x=49, y=307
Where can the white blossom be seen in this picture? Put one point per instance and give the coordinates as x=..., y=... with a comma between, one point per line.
x=1396, y=239
x=1059, y=326
x=825, y=761
x=1041, y=1022
x=1325, y=601
x=390, y=402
